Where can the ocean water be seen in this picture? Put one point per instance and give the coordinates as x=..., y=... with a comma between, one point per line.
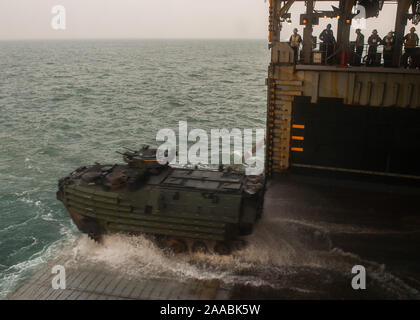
x=65, y=104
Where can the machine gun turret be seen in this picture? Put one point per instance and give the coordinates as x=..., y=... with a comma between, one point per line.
x=144, y=158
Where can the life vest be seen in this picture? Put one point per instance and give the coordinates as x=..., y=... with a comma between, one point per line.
x=360, y=39
x=389, y=42
x=295, y=40
x=411, y=40
x=374, y=40
x=327, y=36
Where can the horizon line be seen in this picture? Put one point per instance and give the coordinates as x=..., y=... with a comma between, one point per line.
x=128, y=38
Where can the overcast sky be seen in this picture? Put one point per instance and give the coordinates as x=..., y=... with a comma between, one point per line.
x=31, y=19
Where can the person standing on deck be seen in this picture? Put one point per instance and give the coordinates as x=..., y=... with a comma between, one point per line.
x=388, y=42
x=295, y=41
x=360, y=42
x=328, y=42
x=374, y=41
x=411, y=41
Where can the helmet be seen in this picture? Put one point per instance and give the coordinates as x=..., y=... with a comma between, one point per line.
x=375, y=31
x=329, y=25
x=412, y=29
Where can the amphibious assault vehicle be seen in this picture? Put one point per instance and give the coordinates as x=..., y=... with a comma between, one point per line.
x=183, y=209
